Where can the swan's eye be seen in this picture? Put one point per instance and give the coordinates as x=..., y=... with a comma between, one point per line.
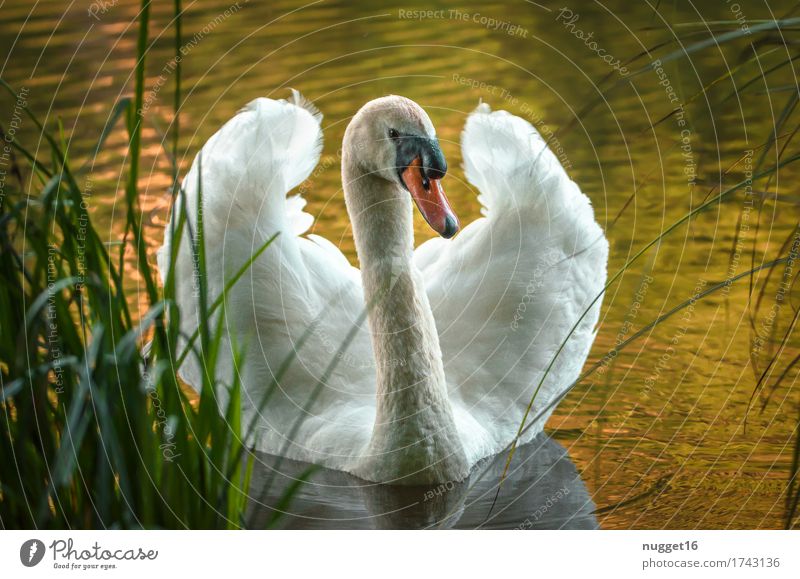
x=393, y=134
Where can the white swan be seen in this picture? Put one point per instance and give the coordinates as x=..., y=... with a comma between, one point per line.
x=460, y=330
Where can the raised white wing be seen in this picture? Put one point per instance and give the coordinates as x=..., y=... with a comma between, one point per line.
x=248, y=166
x=507, y=290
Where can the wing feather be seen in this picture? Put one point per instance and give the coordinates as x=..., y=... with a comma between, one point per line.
x=508, y=288
x=296, y=301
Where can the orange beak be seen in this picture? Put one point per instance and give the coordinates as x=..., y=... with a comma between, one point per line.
x=430, y=199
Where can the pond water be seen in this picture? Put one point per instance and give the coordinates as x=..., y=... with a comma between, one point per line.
x=542, y=491
x=656, y=437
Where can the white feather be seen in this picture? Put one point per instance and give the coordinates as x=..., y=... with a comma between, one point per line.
x=507, y=290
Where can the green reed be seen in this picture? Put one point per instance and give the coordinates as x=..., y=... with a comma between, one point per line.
x=95, y=433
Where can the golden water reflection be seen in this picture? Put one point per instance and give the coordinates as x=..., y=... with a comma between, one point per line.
x=658, y=435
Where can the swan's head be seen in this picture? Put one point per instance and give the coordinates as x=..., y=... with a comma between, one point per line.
x=393, y=138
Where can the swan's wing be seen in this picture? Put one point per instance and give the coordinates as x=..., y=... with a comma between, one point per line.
x=507, y=290
x=299, y=282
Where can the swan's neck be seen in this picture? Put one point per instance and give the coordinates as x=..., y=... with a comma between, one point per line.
x=414, y=426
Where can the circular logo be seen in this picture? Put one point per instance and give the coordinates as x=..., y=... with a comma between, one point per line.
x=31, y=553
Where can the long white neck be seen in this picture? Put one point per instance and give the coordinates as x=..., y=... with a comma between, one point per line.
x=414, y=440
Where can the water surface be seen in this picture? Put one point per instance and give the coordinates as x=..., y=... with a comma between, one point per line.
x=656, y=437
x=542, y=491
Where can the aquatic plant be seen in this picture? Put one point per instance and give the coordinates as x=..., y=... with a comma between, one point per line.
x=97, y=430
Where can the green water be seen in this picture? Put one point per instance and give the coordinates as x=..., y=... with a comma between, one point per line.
x=657, y=435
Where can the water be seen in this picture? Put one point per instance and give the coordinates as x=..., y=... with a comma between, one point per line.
x=657, y=436
x=542, y=491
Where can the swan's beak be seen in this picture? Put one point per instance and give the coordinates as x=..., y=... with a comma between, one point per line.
x=430, y=199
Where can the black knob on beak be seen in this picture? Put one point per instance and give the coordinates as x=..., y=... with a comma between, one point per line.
x=433, y=161
x=410, y=147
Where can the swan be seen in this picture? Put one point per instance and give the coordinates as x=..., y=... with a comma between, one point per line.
x=414, y=367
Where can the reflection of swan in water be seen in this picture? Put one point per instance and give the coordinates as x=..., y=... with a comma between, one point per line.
x=543, y=491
